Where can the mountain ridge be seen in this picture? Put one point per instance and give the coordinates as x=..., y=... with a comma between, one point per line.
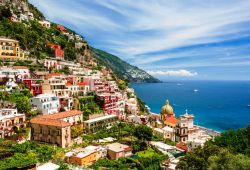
x=34, y=38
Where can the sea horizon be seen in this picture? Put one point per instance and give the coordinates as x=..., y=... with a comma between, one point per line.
x=213, y=104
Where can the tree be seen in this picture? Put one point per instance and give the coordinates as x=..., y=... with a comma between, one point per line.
x=142, y=132
x=76, y=130
x=228, y=161
x=4, y=12
x=23, y=104
x=198, y=159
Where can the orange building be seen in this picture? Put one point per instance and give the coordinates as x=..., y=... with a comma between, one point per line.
x=167, y=115
x=83, y=158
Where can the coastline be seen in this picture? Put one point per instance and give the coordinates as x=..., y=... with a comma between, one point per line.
x=208, y=131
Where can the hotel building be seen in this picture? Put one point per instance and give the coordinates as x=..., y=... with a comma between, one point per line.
x=10, y=50
x=96, y=124
x=55, y=128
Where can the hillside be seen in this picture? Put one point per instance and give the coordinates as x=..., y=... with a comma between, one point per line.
x=34, y=37
x=122, y=69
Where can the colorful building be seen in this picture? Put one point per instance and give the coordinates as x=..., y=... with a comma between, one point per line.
x=10, y=50
x=55, y=51
x=61, y=28
x=81, y=157
x=34, y=87
x=10, y=119
x=55, y=128
x=167, y=115
x=117, y=150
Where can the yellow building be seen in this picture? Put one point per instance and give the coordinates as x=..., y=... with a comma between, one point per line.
x=10, y=50
x=83, y=158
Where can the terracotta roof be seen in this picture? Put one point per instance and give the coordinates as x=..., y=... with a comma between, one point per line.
x=84, y=83
x=53, y=75
x=69, y=84
x=171, y=119
x=128, y=149
x=182, y=146
x=20, y=67
x=62, y=115
x=50, y=122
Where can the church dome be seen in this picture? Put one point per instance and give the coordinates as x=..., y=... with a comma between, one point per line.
x=167, y=109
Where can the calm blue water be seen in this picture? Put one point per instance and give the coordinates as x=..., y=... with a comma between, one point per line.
x=219, y=105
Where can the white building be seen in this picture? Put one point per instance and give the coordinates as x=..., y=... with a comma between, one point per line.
x=10, y=118
x=10, y=85
x=131, y=106
x=189, y=133
x=103, y=122
x=6, y=72
x=24, y=17
x=45, y=23
x=169, y=133
x=46, y=103
x=23, y=72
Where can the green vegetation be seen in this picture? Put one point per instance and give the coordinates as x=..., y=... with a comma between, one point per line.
x=144, y=133
x=122, y=85
x=20, y=98
x=32, y=66
x=37, y=14
x=22, y=155
x=4, y=12
x=89, y=106
x=76, y=130
x=34, y=38
x=148, y=159
x=142, y=105
x=230, y=151
x=122, y=69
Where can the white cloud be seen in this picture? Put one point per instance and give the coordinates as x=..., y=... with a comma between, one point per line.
x=181, y=73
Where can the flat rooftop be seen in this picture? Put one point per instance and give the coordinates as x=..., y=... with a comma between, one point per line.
x=100, y=118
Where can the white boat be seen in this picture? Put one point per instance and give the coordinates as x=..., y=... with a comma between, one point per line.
x=195, y=90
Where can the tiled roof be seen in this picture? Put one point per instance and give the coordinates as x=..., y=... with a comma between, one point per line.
x=171, y=119
x=54, y=119
x=53, y=75
x=62, y=115
x=50, y=122
x=182, y=146
x=20, y=67
x=69, y=84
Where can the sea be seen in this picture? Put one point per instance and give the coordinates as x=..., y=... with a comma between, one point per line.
x=218, y=105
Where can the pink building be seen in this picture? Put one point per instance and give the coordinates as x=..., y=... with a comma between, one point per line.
x=117, y=150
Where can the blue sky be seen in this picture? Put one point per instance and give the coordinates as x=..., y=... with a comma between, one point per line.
x=170, y=39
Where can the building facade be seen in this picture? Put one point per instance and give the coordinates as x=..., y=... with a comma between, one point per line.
x=10, y=50
x=55, y=51
x=55, y=128
x=10, y=119
x=46, y=103
x=96, y=124
x=117, y=150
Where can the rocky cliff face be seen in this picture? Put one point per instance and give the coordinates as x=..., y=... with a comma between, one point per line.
x=122, y=69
